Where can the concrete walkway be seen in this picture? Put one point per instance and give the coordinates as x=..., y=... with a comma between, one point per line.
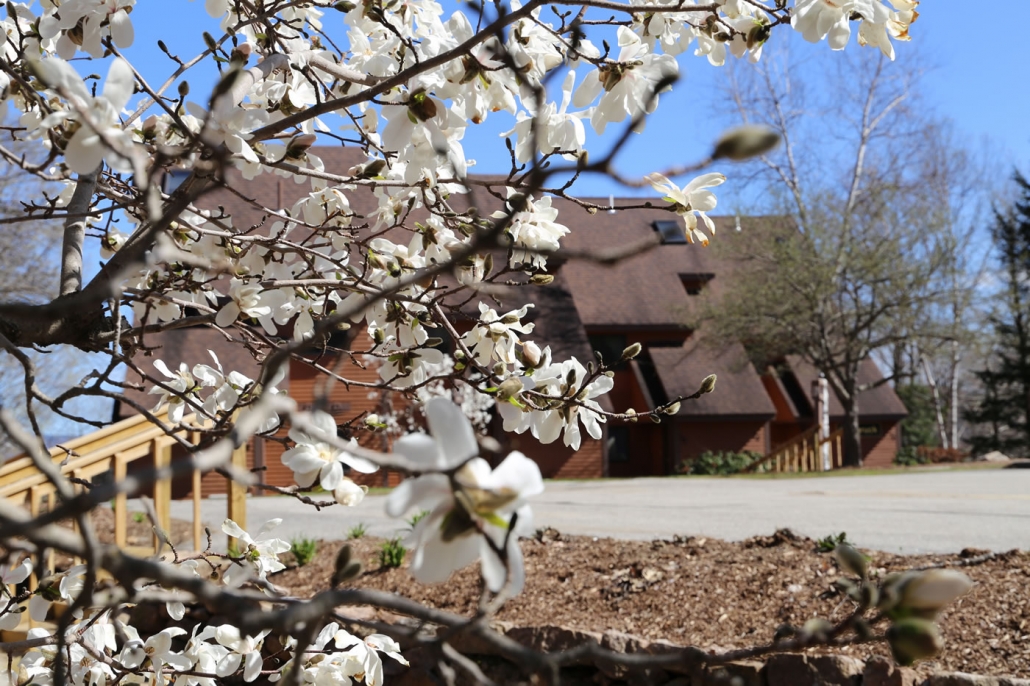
x=912, y=512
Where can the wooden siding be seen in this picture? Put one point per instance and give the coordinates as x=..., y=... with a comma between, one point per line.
x=698, y=437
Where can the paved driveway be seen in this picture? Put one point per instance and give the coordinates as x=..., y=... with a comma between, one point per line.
x=910, y=513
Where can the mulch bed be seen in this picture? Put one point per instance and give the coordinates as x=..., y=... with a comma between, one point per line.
x=710, y=593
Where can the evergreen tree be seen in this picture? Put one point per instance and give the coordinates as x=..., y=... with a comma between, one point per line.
x=1004, y=411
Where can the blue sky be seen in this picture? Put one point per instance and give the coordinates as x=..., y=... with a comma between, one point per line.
x=972, y=81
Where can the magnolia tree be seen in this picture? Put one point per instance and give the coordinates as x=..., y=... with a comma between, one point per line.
x=403, y=82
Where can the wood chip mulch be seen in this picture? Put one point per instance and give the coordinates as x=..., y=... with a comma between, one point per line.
x=712, y=594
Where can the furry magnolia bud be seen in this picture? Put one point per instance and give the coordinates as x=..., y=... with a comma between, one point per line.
x=933, y=589
x=631, y=351
x=510, y=388
x=707, y=384
x=745, y=142
x=914, y=639
x=850, y=560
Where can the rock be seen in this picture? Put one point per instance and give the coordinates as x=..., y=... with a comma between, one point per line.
x=788, y=669
x=963, y=679
x=552, y=638
x=743, y=673
x=879, y=671
x=996, y=456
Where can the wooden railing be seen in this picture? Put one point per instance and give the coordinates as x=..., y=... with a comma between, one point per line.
x=803, y=453
x=110, y=451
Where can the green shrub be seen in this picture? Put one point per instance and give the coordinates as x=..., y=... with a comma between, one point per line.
x=391, y=553
x=303, y=550
x=357, y=531
x=139, y=517
x=909, y=456
x=829, y=543
x=721, y=462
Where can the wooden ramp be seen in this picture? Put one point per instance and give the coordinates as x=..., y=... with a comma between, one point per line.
x=111, y=453
x=803, y=453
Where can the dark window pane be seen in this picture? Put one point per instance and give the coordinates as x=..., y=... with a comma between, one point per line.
x=670, y=231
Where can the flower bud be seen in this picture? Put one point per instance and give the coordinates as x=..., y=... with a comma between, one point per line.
x=817, y=629
x=631, y=415
x=631, y=351
x=346, y=568
x=531, y=354
x=541, y=279
x=707, y=384
x=672, y=409
x=349, y=493
x=298, y=145
x=744, y=142
x=933, y=589
x=850, y=560
x=914, y=639
x=508, y=389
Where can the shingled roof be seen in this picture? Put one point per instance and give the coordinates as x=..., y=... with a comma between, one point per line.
x=643, y=292
x=739, y=390
x=874, y=404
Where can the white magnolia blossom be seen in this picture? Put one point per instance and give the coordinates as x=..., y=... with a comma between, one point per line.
x=533, y=230
x=464, y=510
x=314, y=458
x=495, y=336
x=629, y=86
x=258, y=558
x=97, y=118
x=690, y=202
x=819, y=19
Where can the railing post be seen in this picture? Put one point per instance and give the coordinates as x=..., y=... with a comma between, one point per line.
x=237, y=500
x=162, y=453
x=121, y=516
x=198, y=529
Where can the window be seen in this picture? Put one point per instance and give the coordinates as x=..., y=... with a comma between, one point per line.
x=693, y=284
x=618, y=444
x=610, y=346
x=174, y=178
x=670, y=231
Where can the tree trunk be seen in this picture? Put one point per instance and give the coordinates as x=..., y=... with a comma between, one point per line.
x=852, y=443
x=931, y=381
x=955, y=359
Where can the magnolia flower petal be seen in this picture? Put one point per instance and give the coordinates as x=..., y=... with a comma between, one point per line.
x=176, y=610
x=120, y=82
x=252, y=666
x=418, y=451
x=518, y=473
x=121, y=29
x=426, y=492
x=453, y=431
x=84, y=151
x=434, y=561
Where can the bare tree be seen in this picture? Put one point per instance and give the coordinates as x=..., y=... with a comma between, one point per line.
x=860, y=267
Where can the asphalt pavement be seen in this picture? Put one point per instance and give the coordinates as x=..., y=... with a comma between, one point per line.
x=910, y=512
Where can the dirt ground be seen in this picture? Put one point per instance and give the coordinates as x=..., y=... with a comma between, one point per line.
x=710, y=593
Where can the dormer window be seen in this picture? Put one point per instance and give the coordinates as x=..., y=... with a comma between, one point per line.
x=174, y=178
x=670, y=232
x=693, y=284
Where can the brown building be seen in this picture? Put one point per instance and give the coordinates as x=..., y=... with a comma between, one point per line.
x=643, y=299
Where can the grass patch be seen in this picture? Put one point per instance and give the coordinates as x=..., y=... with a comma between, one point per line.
x=304, y=550
x=391, y=553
